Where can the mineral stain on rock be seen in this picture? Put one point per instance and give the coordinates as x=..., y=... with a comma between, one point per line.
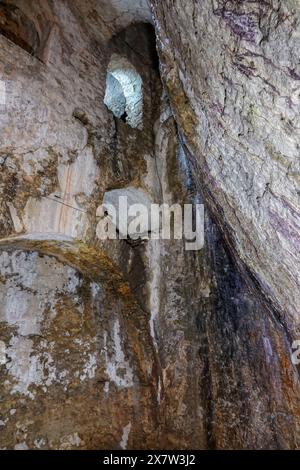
x=140, y=344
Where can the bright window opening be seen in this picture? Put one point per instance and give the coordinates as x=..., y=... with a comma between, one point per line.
x=124, y=94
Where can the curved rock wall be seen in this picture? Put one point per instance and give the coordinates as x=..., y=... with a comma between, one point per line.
x=142, y=344
x=233, y=77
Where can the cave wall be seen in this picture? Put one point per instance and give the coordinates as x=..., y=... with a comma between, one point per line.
x=222, y=347
x=78, y=365
x=123, y=344
x=232, y=72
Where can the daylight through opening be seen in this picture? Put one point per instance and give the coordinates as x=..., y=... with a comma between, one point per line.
x=124, y=95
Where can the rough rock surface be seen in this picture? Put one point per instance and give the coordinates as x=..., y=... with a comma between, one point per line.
x=132, y=343
x=72, y=332
x=66, y=346
x=232, y=71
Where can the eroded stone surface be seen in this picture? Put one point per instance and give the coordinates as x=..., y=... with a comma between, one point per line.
x=233, y=77
x=61, y=149
x=135, y=344
x=66, y=343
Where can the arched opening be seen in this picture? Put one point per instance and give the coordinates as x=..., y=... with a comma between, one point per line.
x=124, y=94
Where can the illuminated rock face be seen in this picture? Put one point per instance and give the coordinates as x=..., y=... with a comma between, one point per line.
x=142, y=344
